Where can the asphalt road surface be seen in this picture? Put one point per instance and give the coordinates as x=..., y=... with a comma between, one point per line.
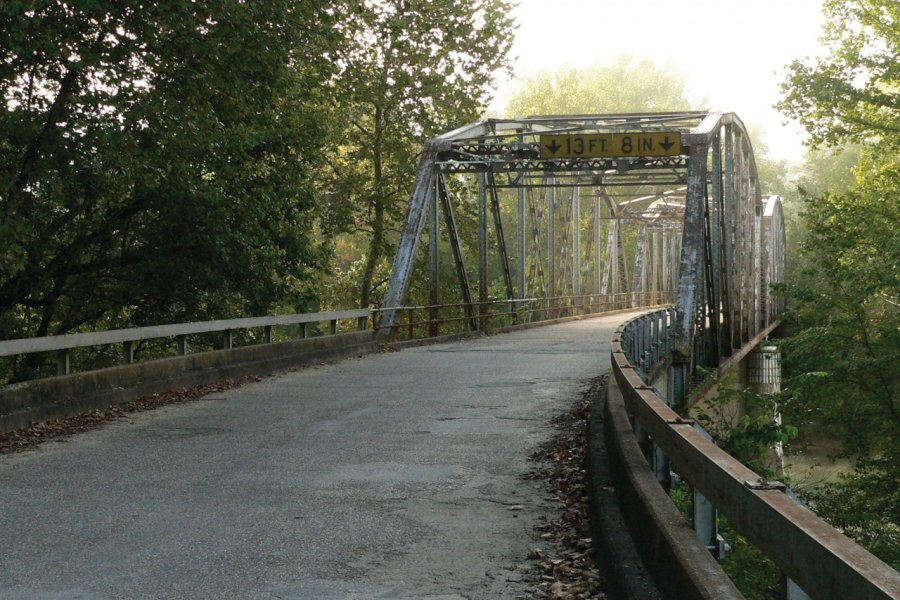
x=396, y=475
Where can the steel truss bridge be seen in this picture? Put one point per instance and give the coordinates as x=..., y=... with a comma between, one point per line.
x=656, y=209
x=692, y=222
x=662, y=211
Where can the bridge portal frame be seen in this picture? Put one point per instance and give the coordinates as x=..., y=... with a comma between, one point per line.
x=708, y=248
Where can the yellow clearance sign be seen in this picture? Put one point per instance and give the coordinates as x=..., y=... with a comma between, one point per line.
x=608, y=145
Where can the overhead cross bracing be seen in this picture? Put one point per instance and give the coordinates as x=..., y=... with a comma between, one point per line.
x=659, y=203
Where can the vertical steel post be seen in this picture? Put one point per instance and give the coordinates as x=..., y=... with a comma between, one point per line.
x=705, y=521
x=482, y=252
x=551, y=237
x=640, y=259
x=609, y=273
x=598, y=267
x=501, y=239
x=453, y=235
x=520, y=235
x=576, y=248
x=401, y=270
x=690, y=282
x=63, y=364
x=434, y=240
x=740, y=210
x=655, y=258
x=758, y=267
x=715, y=233
x=728, y=243
x=666, y=283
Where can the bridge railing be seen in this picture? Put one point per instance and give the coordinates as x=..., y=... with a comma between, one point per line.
x=439, y=319
x=130, y=337
x=822, y=561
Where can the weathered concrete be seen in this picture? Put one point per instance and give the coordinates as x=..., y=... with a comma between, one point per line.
x=624, y=572
x=54, y=397
x=390, y=476
x=681, y=566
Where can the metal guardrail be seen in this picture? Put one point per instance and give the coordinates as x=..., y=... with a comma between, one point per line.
x=481, y=316
x=64, y=343
x=822, y=561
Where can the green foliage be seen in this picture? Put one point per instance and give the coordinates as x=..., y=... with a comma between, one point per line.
x=743, y=423
x=625, y=85
x=843, y=362
x=410, y=71
x=153, y=163
x=181, y=160
x=755, y=576
x=865, y=504
x=845, y=358
x=853, y=94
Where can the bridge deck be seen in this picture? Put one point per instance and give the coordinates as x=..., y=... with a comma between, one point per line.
x=386, y=476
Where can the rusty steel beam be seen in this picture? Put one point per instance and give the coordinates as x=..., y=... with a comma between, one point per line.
x=483, y=263
x=691, y=268
x=401, y=271
x=459, y=262
x=501, y=239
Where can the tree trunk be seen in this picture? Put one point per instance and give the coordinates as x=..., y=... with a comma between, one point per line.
x=376, y=247
x=376, y=244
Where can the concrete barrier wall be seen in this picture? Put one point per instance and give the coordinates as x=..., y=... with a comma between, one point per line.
x=678, y=561
x=44, y=399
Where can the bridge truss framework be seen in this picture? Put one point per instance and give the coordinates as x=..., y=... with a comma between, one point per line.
x=695, y=224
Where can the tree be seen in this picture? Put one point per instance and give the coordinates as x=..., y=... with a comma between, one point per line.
x=843, y=362
x=624, y=85
x=155, y=158
x=853, y=94
x=412, y=70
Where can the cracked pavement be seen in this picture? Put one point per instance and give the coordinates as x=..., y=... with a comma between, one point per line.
x=395, y=475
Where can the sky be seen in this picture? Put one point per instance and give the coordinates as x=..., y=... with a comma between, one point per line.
x=731, y=53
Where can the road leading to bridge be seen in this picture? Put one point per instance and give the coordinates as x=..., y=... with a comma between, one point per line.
x=388, y=476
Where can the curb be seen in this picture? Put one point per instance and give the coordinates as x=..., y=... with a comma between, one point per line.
x=625, y=574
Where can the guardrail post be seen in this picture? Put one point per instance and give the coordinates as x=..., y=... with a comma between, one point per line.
x=648, y=345
x=302, y=331
x=333, y=326
x=181, y=342
x=792, y=591
x=705, y=524
x=705, y=518
x=662, y=468
x=643, y=439
x=128, y=349
x=62, y=362
x=483, y=307
x=267, y=334
x=361, y=323
x=227, y=339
